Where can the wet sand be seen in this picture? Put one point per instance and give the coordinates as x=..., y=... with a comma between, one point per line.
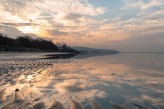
x=29, y=82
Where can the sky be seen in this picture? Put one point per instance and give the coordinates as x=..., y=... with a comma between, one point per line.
x=125, y=25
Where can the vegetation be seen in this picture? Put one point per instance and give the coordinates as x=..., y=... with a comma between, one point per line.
x=26, y=43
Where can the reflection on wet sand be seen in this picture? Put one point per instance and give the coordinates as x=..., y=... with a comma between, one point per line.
x=75, y=105
x=98, y=83
x=95, y=105
x=56, y=105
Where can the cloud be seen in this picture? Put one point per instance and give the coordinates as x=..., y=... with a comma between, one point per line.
x=48, y=14
x=22, y=11
x=17, y=24
x=141, y=4
x=79, y=22
x=58, y=32
x=147, y=42
x=13, y=31
x=71, y=6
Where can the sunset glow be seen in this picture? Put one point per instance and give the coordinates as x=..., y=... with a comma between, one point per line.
x=81, y=54
x=28, y=29
x=118, y=24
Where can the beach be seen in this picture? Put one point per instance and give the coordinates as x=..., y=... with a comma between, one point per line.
x=37, y=81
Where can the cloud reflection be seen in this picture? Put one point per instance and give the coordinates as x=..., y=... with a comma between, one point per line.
x=106, y=78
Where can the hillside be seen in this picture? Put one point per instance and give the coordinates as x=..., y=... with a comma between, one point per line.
x=27, y=43
x=94, y=50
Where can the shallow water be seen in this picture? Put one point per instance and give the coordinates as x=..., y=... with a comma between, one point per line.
x=127, y=79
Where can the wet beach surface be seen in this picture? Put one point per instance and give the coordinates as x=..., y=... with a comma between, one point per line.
x=48, y=81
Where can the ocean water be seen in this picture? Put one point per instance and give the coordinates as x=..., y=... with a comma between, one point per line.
x=130, y=80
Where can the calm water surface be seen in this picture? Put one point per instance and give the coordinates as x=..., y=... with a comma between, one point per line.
x=124, y=79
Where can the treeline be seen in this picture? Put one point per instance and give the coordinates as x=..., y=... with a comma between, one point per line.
x=27, y=43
